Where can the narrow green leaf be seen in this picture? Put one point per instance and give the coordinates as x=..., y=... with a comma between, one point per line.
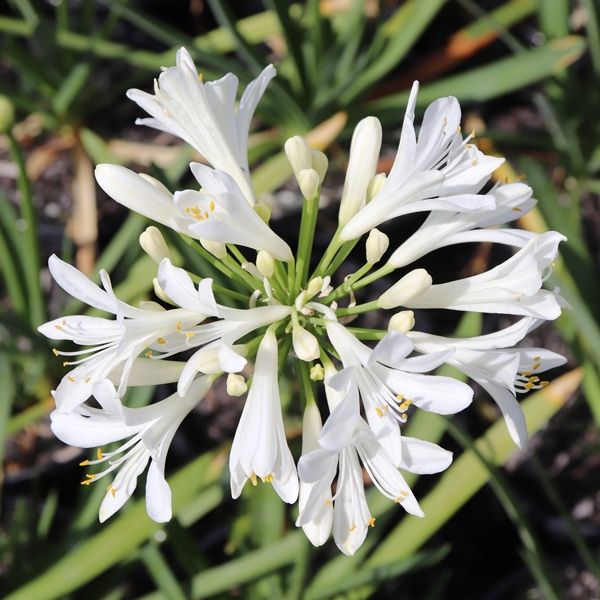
x=158, y=568
x=492, y=80
x=118, y=538
x=6, y=402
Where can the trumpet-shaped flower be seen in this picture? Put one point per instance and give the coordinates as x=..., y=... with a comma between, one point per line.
x=501, y=369
x=259, y=447
x=204, y=114
x=437, y=171
x=112, y=343
x=148, y=432
x=513, y=287
x=389, y=383
x=356, y=444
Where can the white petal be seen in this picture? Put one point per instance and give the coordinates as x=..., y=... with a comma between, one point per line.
x=158, y=495
x=419, y=456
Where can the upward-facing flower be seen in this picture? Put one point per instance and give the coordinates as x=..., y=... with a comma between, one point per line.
x=204, y=114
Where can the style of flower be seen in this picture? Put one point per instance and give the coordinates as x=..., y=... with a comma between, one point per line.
x=148, y=431
x=276, y=312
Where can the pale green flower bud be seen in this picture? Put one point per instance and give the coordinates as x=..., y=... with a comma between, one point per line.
x=236, y=384
x=265, y=264
x=298, y=153
x=315, y=285
x=375, y=186
x=319, y=163
x=308, y=180
x=377, y=244
x=317, y=372
x=364, y=154
x=306, y=345
x=413, y=284
x=402, y=321
x=217, y=249
x=154, y=245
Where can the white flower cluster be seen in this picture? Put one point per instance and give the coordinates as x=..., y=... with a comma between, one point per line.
x=369, y=392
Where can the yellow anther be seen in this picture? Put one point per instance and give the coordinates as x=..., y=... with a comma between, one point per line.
x=178, y=325
x=528, y=386
x=148, y=354
x=58, y=327
x=86, y=482
x=66, y=363
x=189, y=335
x=403, y=418
x=253, y=479
x=534, y=379
x=474, y=162
x=268, y=478
x=99, y=453
x=161, y=340
x=352, y=528
x=110, y=488
x=87, y=379
x=90, y=476
x=212, y=205
x=404, y=406
x=516, y=209
x=71, y=379
x=399, y=397
x=55, y=352
x=536, y=366
x=379, y=411
x=537, y=358
x=544, y=383
x=84, y=463
x=402, y=495
x=473, y=134
x=526, y=373
x=328, y=501
x=371, y=522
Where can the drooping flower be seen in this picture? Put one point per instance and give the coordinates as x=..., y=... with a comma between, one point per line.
x=259, y=447
x=204, y=114
x=148, y=432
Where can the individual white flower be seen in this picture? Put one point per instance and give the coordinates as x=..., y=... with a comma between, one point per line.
x=222, y=215
x=204, y=114
x=514, y=287
x=439, y=171
x=259, y=447
x=389, y=383
x=217, y=338
x=446, y=228
x=354, y=440
x=148, y=432
x=502, y=370
x=111, y=344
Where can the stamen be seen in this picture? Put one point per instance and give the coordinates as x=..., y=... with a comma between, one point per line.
x=379, y=411
x=55, y=352
x=99, y=453
x=161, y=340
x=353, y=528
x=371, y=522
x=253, y=479
x=71, y=379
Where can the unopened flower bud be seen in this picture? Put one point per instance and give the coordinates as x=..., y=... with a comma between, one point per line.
x=306, y=345
x=413, y=284
x=311, y=428
x=217, y=249
x=265, y=264
x=308, y=180
x=319, y=163
x=317, y=373
x=155, y=182
x=298, y=153
x=236, y=384
x=154, y=245
x=263, y=210
x=377, y=244
x=364, y=154
x=375, y=186
x=402, y=321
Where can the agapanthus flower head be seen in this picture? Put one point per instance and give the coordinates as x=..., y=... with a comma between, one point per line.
x=285, y=310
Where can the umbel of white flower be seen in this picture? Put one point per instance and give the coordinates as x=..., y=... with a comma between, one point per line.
x=272, y=310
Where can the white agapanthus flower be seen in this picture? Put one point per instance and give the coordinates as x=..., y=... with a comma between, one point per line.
x=269, y=310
